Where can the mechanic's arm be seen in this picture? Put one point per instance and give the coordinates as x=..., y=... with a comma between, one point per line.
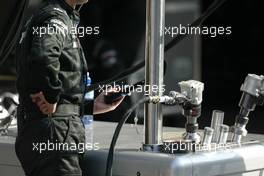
x=44, y=54
x=101, y=107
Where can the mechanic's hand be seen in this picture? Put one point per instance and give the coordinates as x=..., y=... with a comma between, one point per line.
x=44, y=106
x=101, y=107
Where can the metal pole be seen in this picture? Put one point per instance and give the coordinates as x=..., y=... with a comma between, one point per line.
x=154, y=58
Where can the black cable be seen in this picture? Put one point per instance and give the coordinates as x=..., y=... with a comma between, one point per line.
x=212, y=8
x=120, y=124
x=12, y=33
x=117, y=78
x=79, y=8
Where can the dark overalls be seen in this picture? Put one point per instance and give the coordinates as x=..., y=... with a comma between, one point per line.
x=52, y=62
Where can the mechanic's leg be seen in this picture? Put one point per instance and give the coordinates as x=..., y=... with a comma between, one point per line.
x=38, y=146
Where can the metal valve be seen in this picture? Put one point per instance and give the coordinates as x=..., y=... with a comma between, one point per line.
x=193, y=90
x=253, y=95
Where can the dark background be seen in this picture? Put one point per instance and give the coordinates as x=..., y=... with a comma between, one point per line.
x=226, y=60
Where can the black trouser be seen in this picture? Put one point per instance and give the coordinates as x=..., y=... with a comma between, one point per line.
x=48, y=146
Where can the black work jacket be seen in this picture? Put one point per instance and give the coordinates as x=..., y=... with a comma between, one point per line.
x=49, y=56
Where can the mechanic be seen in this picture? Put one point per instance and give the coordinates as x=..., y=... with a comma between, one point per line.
x=50, y=83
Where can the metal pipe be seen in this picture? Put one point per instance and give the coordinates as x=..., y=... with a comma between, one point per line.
x=208, y=135
x=217, y=121
x=154, y=58
x=224, y=130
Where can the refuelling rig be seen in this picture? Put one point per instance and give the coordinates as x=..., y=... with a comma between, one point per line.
x=220, y=150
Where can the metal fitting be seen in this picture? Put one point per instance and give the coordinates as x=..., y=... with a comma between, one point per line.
x=192, y=91
x=224, y=130
x=252, y=85
x=208, y=135
x=154, y=99
x=217, y=121
x=238, y=131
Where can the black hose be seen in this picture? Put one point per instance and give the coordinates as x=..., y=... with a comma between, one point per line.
x=120, y=124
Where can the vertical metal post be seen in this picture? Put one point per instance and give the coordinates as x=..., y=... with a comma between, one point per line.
x=154, y=58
